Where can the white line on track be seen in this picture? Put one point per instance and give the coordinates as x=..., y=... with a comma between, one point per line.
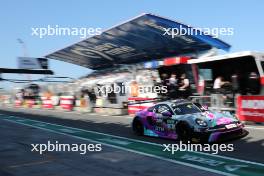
x=254, y=127
x=76, y=112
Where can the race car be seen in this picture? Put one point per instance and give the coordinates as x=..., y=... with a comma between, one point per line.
x=187, y=121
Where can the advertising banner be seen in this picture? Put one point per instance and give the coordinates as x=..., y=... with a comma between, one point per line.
x=250, y=108
x=66, y=102
x=47, y=103
x=136, y=104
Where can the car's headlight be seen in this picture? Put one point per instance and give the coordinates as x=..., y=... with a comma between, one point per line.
x=201, y=122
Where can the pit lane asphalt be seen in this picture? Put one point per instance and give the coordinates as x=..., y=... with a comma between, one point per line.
x=250, y=148
x=17, y=159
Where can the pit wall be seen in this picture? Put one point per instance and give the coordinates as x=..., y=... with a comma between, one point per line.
x=249, y=109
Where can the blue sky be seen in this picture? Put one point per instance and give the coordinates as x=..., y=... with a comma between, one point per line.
x=18, y=17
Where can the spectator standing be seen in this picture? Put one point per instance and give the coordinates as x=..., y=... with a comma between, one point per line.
x=184, y=88
x=173, y=86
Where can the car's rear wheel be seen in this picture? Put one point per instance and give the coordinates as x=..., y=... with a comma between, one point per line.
x=184, y=132
x=138, y=127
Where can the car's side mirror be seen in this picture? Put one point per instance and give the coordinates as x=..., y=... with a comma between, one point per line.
x=166, y=114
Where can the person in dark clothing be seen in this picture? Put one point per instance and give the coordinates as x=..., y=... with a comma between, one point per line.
x=173, y=86
x=253, y=83
x=165, y=83
x=184, y=88
x=235, y=83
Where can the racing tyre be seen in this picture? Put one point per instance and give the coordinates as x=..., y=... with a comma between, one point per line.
x=137, y=126
x=184, y=132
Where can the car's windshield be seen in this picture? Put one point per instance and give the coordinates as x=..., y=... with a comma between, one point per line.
x=187, y=108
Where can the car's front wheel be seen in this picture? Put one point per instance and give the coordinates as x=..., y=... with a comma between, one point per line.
x=184, y=132
x=138, y=127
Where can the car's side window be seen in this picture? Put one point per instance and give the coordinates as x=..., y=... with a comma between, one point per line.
x=155, y=109
x=162, y=108
x=177, y=110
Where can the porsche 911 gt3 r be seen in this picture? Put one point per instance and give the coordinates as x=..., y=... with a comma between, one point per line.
x=186, y=121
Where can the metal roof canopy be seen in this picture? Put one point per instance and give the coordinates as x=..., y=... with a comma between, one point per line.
x=137, y=40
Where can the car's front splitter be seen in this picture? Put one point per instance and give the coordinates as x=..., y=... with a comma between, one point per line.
x=220, y=136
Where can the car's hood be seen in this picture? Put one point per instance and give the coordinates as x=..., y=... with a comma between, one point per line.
x=216, y=118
